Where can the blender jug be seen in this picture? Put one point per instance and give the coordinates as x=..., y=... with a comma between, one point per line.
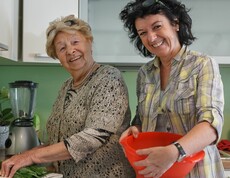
x=22, y=134
x=23, y=99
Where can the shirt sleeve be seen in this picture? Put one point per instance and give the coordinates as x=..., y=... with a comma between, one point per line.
x=210, y=99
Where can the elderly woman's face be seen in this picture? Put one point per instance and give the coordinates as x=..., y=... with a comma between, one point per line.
x=158, y=35
x=73, y=50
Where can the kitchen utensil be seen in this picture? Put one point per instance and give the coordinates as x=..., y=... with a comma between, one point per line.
x=153, y=139
x=53, y=175
x=225, y=153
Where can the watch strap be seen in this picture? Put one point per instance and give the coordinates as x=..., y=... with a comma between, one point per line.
x=181, y=151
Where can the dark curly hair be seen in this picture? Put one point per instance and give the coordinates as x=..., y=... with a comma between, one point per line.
x=175, y=11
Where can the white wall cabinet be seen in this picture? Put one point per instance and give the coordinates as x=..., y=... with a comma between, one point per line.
x=111, y=43
x=9, y=28
x=211, y=27
x=36, y=17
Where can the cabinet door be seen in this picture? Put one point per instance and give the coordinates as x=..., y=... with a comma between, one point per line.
x=111, y=42
x=36, y=17
x=8, y=25
x=211, y=27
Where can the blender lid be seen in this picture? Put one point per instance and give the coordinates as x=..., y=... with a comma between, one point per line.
x=23, y=84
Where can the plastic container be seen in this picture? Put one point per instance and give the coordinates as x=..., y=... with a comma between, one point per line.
x=153, y=139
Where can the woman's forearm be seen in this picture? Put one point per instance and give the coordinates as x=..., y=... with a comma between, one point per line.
x=202, y=135
x=50, y=153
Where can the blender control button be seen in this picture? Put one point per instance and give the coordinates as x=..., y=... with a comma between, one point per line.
x=8, y=143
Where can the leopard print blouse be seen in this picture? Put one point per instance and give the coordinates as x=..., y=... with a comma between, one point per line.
x=89, y=120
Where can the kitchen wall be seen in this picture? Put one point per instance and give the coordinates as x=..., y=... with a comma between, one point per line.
x=51, y=76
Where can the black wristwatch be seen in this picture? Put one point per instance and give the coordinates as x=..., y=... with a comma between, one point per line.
x=181, y=151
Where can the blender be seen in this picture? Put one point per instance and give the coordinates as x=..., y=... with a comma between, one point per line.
x=22, y=134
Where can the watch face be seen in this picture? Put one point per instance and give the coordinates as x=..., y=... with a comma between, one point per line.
x=181, y=157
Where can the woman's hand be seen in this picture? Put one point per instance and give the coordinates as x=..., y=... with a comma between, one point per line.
x=133, y=130
x=158, y=160
x=11, y=165
x=41, y=154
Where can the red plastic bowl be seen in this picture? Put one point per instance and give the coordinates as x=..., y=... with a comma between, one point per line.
x=153, y=139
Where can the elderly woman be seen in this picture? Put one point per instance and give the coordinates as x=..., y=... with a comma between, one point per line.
x=90, y=113
x=179, y=91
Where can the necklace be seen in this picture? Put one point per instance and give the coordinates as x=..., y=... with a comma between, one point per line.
x=74, y=86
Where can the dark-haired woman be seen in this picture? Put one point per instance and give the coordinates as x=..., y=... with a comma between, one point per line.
x=179, y=91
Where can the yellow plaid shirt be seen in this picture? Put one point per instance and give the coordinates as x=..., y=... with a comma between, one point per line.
x=194, y=94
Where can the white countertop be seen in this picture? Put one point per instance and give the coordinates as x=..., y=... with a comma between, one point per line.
x=227, y=173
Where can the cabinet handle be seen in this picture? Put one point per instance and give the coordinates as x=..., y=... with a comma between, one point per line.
x=3, y=47
x=38, y=55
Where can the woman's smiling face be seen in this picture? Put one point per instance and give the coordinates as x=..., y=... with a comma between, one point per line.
x=158, y=35
x=73, y=50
